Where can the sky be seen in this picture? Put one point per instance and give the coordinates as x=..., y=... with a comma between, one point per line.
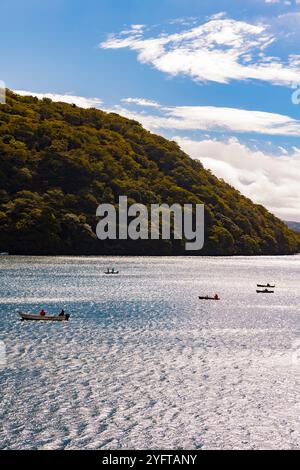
x=222, y=78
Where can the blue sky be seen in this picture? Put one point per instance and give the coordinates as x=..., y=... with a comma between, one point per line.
x=216, y=76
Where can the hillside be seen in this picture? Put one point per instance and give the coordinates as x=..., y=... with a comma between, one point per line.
x=58, y=162
x=293, y=225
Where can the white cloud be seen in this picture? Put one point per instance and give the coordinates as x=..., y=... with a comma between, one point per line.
x=185, y=21
x=285, y=2
x=212, y=118
x=137, y=27
x=220, y=50
x=81, y=101
x=141, y=102
x=272, y=181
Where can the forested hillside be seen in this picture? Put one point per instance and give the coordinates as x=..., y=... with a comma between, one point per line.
x=58, y=162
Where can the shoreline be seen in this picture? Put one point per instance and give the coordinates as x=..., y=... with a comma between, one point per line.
x=146, y=256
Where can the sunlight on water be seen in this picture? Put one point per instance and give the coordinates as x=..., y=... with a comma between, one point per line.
x=143, y=363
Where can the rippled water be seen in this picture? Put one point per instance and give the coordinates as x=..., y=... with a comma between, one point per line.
x=143, y=363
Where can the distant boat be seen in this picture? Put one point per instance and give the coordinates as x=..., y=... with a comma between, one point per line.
x=31, y=316
x=265, y=291
x=112, y=271
x=4, y=253
x=267, y=285
x=207, y=297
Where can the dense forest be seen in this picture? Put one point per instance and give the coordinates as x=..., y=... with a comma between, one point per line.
x=58, y=162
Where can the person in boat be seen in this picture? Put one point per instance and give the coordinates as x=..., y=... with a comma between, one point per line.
x=216, y=297
x=62, y=313
x=42, y=312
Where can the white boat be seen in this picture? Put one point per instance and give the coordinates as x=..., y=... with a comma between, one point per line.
x=111, y=272
x=34, y=316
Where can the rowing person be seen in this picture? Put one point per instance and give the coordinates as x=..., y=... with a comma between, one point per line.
x=216, y=297
x=42, y=312
x=62, y=313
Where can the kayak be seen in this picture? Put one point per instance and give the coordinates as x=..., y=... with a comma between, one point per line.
x=208, y=298
x=31, y=316
x=267, y=285
x=111, y=272
x=266, y=291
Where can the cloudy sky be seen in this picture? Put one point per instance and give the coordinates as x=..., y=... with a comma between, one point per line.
x=222, y=78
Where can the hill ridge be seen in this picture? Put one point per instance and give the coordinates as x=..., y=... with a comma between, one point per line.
x=59, y=161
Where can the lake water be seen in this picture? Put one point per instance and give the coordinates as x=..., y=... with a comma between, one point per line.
x=144, y=364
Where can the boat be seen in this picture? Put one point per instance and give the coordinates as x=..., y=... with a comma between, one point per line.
x=111, y=272
x=267, y=285
x=265, y=291
x=206, y=297
x=4, y=253
x=34, y=316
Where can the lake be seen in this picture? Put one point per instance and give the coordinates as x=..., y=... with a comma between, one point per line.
x=142, y=362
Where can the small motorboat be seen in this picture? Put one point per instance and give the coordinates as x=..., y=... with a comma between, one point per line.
x=4, y=253
x=207, y=297
x=265, y=291
x=34, y=316
x=266, y=285
x=112, y=271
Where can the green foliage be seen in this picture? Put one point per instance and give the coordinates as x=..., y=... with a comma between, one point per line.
x=58, y=162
